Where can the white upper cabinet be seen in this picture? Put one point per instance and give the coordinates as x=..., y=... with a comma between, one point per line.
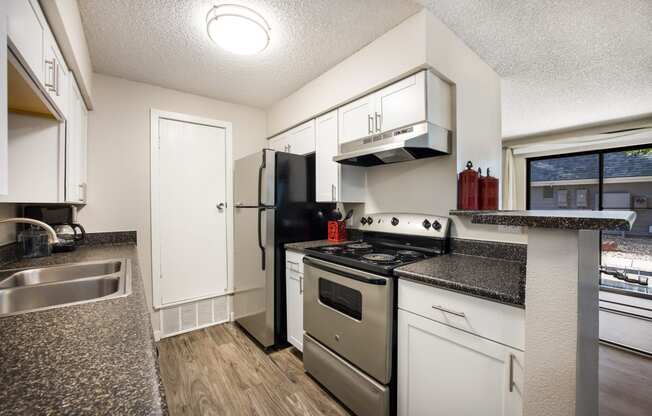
x=56, y=75
x=76, y=148
x=334, y=182
x=401, y=103
x=327, y=172
x=299, y=140
x=36, y=147
x=356, y=119
x=35, y=48
x=278, y=143
x=26, y=33
x=419, y=97
x=42, y=159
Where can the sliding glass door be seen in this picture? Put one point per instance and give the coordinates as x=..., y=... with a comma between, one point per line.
x=615, y=179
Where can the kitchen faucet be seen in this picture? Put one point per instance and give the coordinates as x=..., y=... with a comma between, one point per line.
x=52, y=235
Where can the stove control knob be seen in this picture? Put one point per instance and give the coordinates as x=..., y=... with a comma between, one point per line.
x=426, y=224
x=394, y=221
x=436, y=225
x=363, y=221
x=370, y=220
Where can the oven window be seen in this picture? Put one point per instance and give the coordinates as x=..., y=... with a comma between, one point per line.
x=341, y=298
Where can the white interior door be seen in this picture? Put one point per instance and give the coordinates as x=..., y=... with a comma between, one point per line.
x=192, y=229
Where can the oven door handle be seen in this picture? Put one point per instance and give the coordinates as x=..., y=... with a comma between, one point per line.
x=321, y=265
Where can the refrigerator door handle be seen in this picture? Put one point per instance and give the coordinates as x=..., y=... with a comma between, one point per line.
x=260, y=237
x=260, y=179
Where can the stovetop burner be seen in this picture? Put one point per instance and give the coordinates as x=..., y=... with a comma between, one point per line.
x=331, y=249
x=373, y=256
x=380, y=258
x=410, y=253
x=359, y=246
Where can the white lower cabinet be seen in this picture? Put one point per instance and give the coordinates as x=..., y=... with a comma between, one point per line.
x=294, y=298
x=444, y=370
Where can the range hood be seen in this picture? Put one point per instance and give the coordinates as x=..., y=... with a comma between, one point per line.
x=417, y=141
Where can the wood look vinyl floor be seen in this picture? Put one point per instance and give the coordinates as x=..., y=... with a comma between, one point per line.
x=221, y=371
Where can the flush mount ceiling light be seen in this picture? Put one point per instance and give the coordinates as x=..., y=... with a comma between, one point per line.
x=237, y=29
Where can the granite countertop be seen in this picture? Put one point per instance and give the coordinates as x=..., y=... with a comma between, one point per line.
x=494, y=279
x=93, y=358
x=561, y=219
x=303, y=245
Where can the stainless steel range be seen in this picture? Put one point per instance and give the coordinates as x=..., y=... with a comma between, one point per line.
x=349, y=306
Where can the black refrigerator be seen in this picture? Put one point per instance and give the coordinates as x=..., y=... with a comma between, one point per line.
x=274, y=195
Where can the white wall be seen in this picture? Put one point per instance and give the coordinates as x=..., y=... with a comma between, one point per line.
x=118, y=153
x=429, y=185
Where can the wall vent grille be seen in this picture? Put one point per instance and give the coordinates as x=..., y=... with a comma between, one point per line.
x=193, y=315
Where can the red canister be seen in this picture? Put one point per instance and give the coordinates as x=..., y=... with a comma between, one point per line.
x=336, y=230
x=468, y=188
x=488, y=192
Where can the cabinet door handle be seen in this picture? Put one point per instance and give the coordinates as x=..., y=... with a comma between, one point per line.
x=82, y=191
x=300, y=284
x=289, y=148
x=49, y=75
x=56, y=78
x=511, y=373
x=370, y=120
x=378, y=120
x=333, y=192
x=445, y=310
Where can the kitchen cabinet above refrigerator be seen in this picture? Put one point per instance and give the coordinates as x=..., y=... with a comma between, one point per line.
x=299, y=140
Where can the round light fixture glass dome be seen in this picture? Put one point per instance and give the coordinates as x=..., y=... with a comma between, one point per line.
x=237, y=29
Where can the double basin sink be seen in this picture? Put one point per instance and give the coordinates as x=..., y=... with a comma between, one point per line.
x=35, y=289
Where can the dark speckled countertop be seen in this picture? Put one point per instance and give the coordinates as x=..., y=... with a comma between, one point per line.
x=494, y=279
x=96, y=358
x=561, y=219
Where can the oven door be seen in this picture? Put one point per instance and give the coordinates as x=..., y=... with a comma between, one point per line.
x=350, y=312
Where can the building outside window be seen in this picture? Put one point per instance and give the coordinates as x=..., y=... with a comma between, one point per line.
x=618, y=179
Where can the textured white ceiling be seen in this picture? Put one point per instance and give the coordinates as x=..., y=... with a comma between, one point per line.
x=562, y=62
x=164, y=42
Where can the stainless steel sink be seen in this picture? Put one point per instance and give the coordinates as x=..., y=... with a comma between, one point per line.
x=34, y=289
x=59, y=273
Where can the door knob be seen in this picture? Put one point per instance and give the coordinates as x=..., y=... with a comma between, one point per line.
x=220, y=206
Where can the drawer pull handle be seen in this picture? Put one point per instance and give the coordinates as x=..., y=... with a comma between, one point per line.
x=441, y=308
